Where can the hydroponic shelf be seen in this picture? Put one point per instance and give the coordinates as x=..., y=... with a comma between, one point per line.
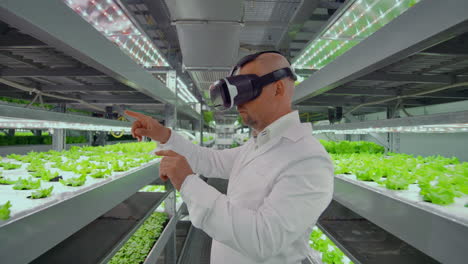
x=20, y=117
x=101, y=239
x=438, y=231
x=53, y=219
x=165, y=237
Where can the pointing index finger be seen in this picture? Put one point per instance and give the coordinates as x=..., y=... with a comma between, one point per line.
x=136, y=115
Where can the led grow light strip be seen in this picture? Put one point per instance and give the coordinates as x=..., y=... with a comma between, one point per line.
x=369, y=25
x=183, y=90
x=109, y=19
x=332, y=28
x=305, y=59
x=448, y=128
x=43, y=124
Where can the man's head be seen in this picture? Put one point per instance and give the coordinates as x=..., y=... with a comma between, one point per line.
x=275, y=98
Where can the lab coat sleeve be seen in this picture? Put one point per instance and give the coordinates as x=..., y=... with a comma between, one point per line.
x=205, y=161
x=297, y=199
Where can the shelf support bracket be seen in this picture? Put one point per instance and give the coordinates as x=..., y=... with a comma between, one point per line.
x=378, y=137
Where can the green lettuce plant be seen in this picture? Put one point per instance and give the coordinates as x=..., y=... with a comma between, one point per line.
x=348, y=147
x=331, y=254
x=45, y=175
x=9, y=166
x=136, y=249
x=67, y=166
x=27, y=184
x=5, y=211
x=101, y=174
x=74, y=182
x=42, y=193
x=440, y=179
x=84, y=169
x=101, y=166
x=117, y=167
x=15, y=157
x=35, y=166
x=6, y=181
x=438, y=195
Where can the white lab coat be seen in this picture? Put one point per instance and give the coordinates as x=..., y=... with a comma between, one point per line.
x=276, y=193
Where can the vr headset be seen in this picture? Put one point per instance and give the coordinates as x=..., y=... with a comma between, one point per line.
x=239, y=89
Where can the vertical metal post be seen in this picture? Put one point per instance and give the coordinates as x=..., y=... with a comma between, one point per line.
x=59, y=136
x=379, y=138
x=171, y=210
x=201, y=125
x=171, y=82
x=90, y=138
x=169, y=115
x=393, y=138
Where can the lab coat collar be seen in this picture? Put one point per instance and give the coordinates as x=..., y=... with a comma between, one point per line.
x=279, y=128
x=289, y=127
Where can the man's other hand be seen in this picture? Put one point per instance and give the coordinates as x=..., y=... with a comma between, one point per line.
x=174, y=167
x=145, y=126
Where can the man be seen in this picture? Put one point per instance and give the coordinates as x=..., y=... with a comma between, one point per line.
x=279, y=181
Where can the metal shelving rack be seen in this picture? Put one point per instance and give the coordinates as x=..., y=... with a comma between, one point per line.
x=436, y=123
x=94, y=73
x=16, y=117
x=435, y=230
x=69, y=215
x=432, y=229
x=101, y=239
x=81, y=219
x=41, y=20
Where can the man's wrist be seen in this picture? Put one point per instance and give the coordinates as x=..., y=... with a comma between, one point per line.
x=167, y=136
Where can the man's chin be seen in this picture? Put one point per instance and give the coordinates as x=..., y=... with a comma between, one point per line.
x=248, y=122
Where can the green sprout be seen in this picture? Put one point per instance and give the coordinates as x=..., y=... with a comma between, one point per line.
x=25, y=184
x=5, y=211
x=74, y=182
x=42, y=193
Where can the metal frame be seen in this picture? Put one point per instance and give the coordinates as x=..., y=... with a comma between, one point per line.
x=92, y=202
x=415, y=37
x=135, y=228
x=43, y=21
x=36, y=114
x=25, y=149
x=338, y=244
x=102, y=238
x=166, y=236
x=197, y=247
x=433, y=231
x=422, y=120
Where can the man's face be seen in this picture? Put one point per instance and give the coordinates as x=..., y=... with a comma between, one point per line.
x=254, y=113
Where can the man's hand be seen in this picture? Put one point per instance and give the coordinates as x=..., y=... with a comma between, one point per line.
x=146, y=126
x=174, y=167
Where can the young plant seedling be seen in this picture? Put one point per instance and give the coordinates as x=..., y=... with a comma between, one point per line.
x=44, y=174
x=5, y=211
x=6, y=181
x=74, y=182
x=35, y=166
x=10, y=166
x=25, y=184
x=101, y=174
x=41, y=193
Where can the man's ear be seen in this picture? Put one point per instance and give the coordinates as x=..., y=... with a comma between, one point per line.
x=280, y=88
